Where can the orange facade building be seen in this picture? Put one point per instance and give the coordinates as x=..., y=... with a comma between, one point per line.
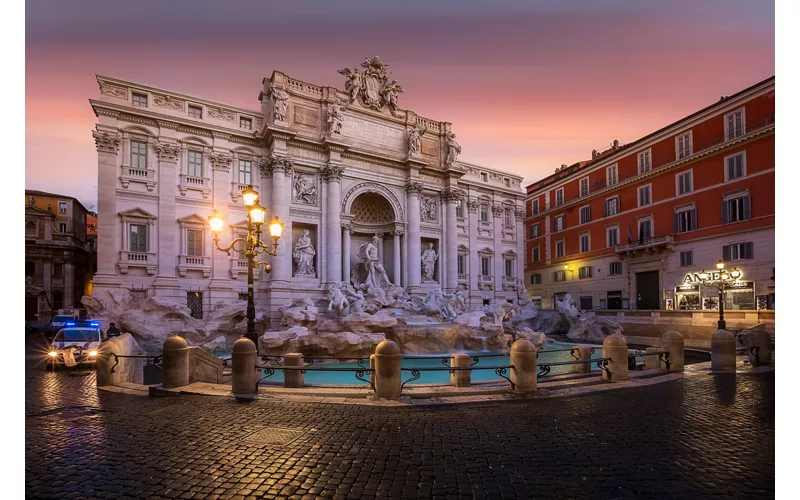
x=631, y=228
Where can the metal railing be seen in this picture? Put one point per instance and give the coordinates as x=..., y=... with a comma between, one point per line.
x=662, y=355
x=157, y=360
x=602, y=363
x=269, y=370
x=416, y=373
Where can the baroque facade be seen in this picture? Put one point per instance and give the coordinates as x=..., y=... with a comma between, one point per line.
x=633, y=227
x=337, y=167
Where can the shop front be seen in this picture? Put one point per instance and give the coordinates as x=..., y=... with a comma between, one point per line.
x=687, y=297
x=693, y=295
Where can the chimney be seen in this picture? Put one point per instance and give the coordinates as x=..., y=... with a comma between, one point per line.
x=594, y=154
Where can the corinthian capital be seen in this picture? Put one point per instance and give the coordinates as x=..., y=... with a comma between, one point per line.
x=452, y=195
x=497, y=210
x=519, y=213
x=332, y=172
x=221, y=162
x=105, y=142
x=273, y=163
x=414, y=188
x=473, y=205
x=167, y=152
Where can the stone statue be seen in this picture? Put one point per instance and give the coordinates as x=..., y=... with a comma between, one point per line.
x=566, y=306
x=303, y=253
x=335, y=119
x=305, y=190
x=375, y=273
x=390, y=92
x=458, y=302
x=354, y=82
x=453, y=148
x=337, y=301
x=428, y=209
x=429, y=257
x=415, y=140
x=281, y=102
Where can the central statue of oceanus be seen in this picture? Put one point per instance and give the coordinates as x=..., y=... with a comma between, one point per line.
x=370, y=272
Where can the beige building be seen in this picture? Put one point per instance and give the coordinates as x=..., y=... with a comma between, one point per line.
x=342, y=165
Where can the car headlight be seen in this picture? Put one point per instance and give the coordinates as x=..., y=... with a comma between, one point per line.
x=92, y=353
x=53, y=354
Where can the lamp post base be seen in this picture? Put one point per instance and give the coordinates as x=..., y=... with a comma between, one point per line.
x=721, y=324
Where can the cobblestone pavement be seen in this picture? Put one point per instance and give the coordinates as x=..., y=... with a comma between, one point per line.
x=700, y=437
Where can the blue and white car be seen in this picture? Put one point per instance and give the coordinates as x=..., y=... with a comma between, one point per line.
x=83, y=338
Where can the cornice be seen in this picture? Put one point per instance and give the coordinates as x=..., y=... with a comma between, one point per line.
x=122, y=193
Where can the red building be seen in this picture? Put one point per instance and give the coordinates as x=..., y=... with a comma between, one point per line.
x=631, y=227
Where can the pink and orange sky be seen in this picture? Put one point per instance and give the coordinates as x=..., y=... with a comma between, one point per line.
x=528, y=85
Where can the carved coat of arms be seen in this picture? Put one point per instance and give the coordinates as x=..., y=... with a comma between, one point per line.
x=372, y=86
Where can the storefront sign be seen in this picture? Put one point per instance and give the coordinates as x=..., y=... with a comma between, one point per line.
x=695, y=277
x=687, y=288
x=741, y=285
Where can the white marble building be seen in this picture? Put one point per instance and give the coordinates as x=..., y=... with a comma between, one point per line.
x=342, y=165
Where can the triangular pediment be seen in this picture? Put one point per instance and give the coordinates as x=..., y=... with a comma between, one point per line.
x=31, y=211
x=137, y=213
x=510, y=253
x=486, y=250
x=193, y=219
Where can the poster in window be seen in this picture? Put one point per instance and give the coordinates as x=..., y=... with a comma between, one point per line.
x=670, y=305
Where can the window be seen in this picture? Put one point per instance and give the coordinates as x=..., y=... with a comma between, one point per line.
x=58, y=269
x=612, y=237
x=30, y=268
x=484, y=212
x=737, y=251
x=612, y=176
x=245, y=172
x=460, y=209
x=585, y=245
x=138, y=155
x=139, y=99
x=684, y=182
x=645, y=229
x=644, y=195
x=195, y=164
x=507, y=217
x=558, y=223
x=612, y=206
x=62, y=227
x=584, y=272
x=736, y=209
x=735, y=167
x=734, y=125
x=536, y=279
x=535, y=230
x=245, y=123
x=644, y=162
x=687, y=258
x=559, y=196
x=615, y=268
x=507, y=181
x=194, y=301
x=535, y=254
x=485, y=266
x=509, y=263
x=62, y=207
x=584, y=184
x=484, y=177
x=586, y=214
x=462, y=264
x=535, y=207
x=560, y=248
x=194, y=242
x=685, y=221
x=683, y=145
x=138, y=238
x=195, y=112
x=560, y=275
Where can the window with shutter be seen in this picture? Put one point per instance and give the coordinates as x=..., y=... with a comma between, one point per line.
x=735, y=167
x=726, y=253
x=535, y=207
x=687, y=258
x=584, y=186
x=684, y=221
x=586, y=214
x=585, y=243
x=612, y=237
x=736, y=209
x=734, y=125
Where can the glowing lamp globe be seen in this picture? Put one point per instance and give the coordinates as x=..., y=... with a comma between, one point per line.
x=720, y=265
x=249, y=195
x=736, y=274
x=703, y=275
x=257, y=214
x=216, y=222
x=275, y=227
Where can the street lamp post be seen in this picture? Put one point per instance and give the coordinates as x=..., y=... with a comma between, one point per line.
x=251, y=246
x=722, y=278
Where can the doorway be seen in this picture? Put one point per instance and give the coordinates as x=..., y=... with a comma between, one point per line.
x=647, y=290
x=31, y=308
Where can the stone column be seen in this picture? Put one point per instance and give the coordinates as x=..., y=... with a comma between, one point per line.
x=346, y=252
x=519, y=268
x=451, y=197
x=333, y=240
x=166, y=244
x=220, y=262
x=107, y=239
x=281, y=166
x=126, y=149
x=413, y=190
x=396, y=256
x=474, y=260
x=497, y=232
x=380, y=248
x=69, y=284
x=265, y=192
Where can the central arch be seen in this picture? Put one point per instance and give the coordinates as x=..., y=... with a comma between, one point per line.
x=379, y=195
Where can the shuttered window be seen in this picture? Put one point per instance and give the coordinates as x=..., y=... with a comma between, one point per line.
x=586, y=214
x=615, y=268
x=559, y=248
x=685, y=220
x=535, y=254
x=584, y=272
x=612, y=237
x=558, y=223
x=536, y=279
x=735, y=167
x=644, y=162
x=684, y=181
x=737, y=251
x=560, y=275
x=644, y=195
x=535, y=230
x=585, y=244
x=736, y=209
x=612, y=206
x=683, y=145
x=687, y=258
x=734, y=125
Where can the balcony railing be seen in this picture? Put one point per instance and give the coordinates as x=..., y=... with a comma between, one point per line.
x=485, y=279
x=144, y=176
x=239, y=266
x=510, y=282
x=463, y=277
x=146, y=260
x=646, y=243
x=196, y=183
x=188, y=263
x=236, y=190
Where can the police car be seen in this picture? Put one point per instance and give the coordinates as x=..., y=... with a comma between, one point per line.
x=76, y=343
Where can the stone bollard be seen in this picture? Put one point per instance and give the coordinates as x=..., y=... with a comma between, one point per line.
x=723, y=351
x=387, y=370
x=584, y=354
x=244, y=375
x=652, y=362
x=372, y=369
x=672, y=342
x=461, y=378
x=175, y=362
x=762, y=340
x=105, y=361
x=616, y=348
x=523, y=362
x=293, y=378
